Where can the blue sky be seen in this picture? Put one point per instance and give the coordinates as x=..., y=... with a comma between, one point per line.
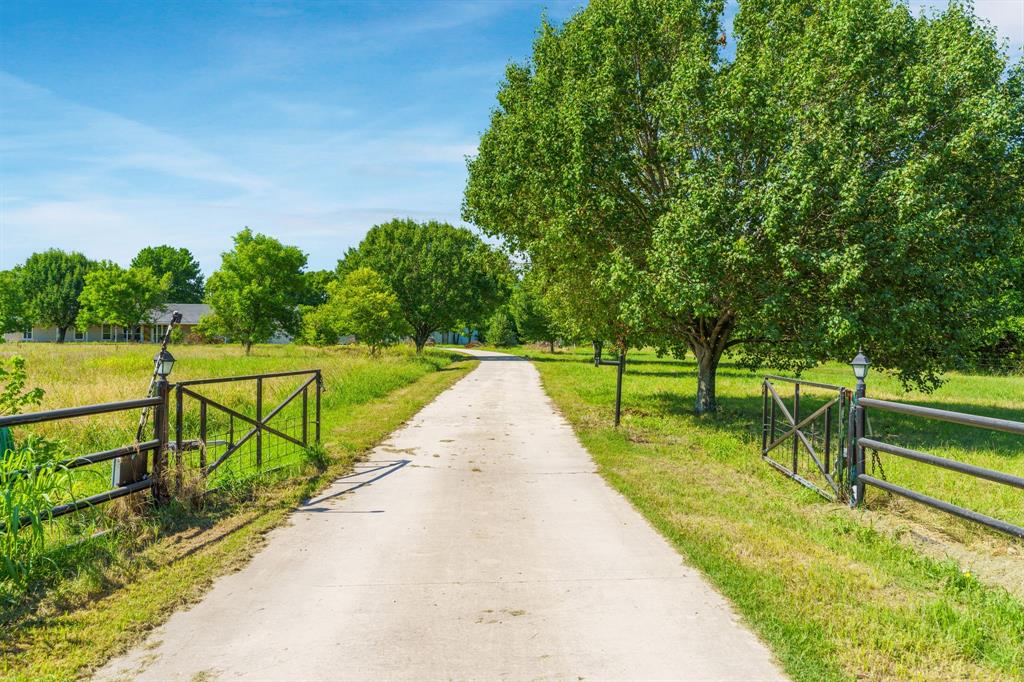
x=125, y=124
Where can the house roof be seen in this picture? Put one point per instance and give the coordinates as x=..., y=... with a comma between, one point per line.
x=190, y=313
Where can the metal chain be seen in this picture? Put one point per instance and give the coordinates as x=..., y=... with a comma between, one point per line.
x=875, y=459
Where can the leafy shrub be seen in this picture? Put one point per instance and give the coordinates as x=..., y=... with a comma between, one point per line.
x=13, y=395
x=501, y=331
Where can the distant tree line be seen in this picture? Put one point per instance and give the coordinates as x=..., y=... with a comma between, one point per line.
x=67, y=290
x=405, y=280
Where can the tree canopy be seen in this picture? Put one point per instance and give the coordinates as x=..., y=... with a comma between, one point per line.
x=317, y=282
x=367, y=308
x=186, y=278
x=51, y=283
x=12, y=303
x=850, y=178
x=442, y=275
x=257, y=290
x=126, y=298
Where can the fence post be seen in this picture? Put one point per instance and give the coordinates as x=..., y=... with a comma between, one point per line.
x=202, y=434
x=796, y=420
x=179, y=427
x=319, y=388
x=857, y=423
x=618, y=386
x=305, y=416
x=858, y=450
x=160, y=419
x=259, y=423
x=828, y=439
x=764, y=416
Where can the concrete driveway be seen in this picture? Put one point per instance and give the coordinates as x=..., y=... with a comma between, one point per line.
x=484, y=547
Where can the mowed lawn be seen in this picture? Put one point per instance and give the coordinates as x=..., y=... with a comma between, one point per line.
x=895, y=591
x=113, y=573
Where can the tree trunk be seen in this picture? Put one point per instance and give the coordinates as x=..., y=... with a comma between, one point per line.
x=551, y=342
x=61, y=333
x=248, y=347
x=598, y=346
x=707, y=368
x=420, y=338
x=709, y=340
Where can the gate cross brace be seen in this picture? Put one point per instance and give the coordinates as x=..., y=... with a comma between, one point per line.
x=257, y=425
x=796, y=431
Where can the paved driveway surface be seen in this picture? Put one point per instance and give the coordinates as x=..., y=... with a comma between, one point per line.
x=485, y=547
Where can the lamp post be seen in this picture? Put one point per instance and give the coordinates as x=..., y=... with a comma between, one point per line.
x=860, y=366
x=133, y=468
x=163, y=363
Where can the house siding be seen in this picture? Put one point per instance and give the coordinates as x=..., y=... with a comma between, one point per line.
x=92, y=334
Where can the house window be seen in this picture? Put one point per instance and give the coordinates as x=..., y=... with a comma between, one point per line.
x=108, y=332
x=80, y=335
x=26, y=335
x=158, y=332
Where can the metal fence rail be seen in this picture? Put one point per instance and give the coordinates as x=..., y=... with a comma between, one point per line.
x=976, y=421
x=136, y=478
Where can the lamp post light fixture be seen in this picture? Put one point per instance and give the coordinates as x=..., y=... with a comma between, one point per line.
x=164, y=362
x=860, y=366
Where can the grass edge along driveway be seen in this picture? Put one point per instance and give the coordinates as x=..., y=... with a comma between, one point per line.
x=70, y=635
x=833, y=596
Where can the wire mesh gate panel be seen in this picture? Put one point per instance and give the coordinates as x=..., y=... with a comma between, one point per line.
x=810, y=447
x=238, y=427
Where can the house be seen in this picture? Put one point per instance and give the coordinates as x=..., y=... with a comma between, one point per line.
x=150, y=333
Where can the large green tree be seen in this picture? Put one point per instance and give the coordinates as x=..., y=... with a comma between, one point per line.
x=51, y=282
x=12, y=302
x=257, y=290
x=125, y=298
x=441, y=274
x=849, y=178
x=186, y=277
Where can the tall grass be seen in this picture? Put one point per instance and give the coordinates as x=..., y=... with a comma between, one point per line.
x=893, y=591
x=81, y=374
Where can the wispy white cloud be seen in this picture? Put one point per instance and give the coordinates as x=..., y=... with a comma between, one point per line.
x=107, y=185
x=86, y=142
x=277, y=51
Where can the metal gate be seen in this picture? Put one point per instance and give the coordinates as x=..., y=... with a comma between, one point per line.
x=813, y=444
x=221, y=433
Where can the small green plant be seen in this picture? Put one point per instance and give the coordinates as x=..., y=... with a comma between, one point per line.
x=30, y=480
x=13, y=395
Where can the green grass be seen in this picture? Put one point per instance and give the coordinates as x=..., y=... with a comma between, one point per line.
x=117, y=572
x=838, y=594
